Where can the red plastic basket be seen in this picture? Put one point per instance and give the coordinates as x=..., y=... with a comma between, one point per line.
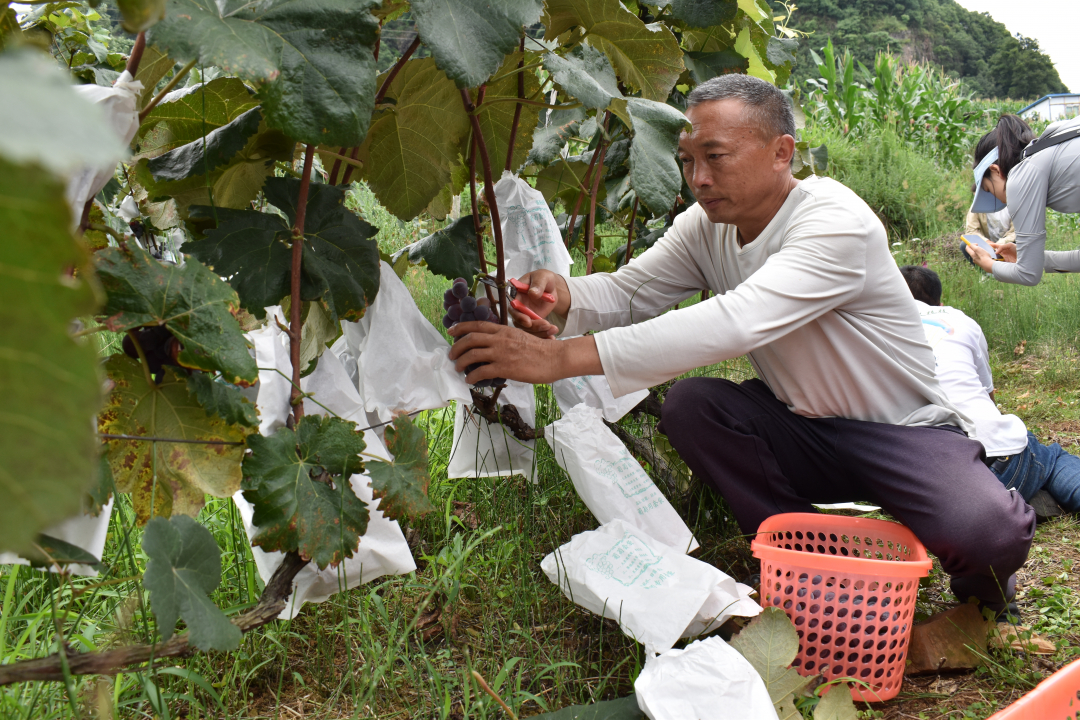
x=1056, y=698
x=849, y=585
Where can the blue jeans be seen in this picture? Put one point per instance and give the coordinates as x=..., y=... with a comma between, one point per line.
x=1042, y=467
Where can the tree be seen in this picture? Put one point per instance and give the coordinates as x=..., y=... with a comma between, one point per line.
x=1021, y=71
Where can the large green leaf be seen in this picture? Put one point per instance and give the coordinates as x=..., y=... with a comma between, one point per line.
x=469, y=38
x=836, y=705
x=166, y=478
x=403, y=483
x=550, y=139
x=622, y=709
x=51, y=383
x=585, y=73
x=770, y=643
x=414, y=145
x=196, y=305
x=192, y=113
x=450, y=252
x=224, y=400
x=646, y=57
x=704, y=13
x=312, y=59
x=201, y=156
x=707, y=65
x=184, y=567
x=39, y=107
x=153, y=68
x=299, y=485
x=564, y=179
x=497, y=116
x=139, y=15
x=654, y=172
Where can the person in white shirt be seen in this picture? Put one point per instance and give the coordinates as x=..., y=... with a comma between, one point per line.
x=1013, y=452
x=846, y=406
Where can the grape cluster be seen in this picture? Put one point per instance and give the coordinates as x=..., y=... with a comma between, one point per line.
x=159, y=346
x=460, y=306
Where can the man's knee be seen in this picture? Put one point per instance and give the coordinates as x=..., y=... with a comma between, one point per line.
x=995, y=538
x=685, y=401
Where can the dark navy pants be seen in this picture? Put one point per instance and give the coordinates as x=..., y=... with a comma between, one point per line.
x=765, y=459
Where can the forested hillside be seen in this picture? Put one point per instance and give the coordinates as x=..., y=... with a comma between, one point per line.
x=969, y=45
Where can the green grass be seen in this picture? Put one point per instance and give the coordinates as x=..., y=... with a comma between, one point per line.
x=479, y=553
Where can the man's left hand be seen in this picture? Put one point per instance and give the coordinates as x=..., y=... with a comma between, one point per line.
x=516, y=355
x=980, y=257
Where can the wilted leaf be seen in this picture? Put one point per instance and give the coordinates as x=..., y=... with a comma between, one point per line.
x=51, y=383
x=412, y=148
x=622, y=709
x=707, y=65
x=770, y=643
x=317, y=331
x=196, y=305
x=47, y=552
x=654, y=172
x=836, y=705
x=496, y=118
x=139, y=15
x=201, y=156
x=166, y=478
x=224, y=400
x=9, y=25
x=153, y=68
x=299, y=485
x=450, y=252
x=312, y=59
x=191, y=113
x=550, y=139
x=184, y=567
x=469, y=38
x=704, y=13
x=586, y=74
x=646, y=57
x=403, y=483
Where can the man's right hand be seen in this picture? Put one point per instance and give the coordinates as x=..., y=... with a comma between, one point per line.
x=540, y=282
x=1006, y=250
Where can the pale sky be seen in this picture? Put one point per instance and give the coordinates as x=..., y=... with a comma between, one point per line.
x=1054, y=23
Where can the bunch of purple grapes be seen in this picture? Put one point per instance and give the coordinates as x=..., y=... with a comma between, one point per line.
x=460, y=306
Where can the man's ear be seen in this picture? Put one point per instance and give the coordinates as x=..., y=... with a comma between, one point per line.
x=785, y=150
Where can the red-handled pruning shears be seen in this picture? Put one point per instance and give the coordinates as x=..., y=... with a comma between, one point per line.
x=516, y=286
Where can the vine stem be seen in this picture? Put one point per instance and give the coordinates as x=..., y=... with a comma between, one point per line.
x=478, y=226
x=489, y=192
x=295, y=322
x=142, y=358
x=590, y=226
x=577, y=204
x=169, y=86
x=379, y=95
x=630, y=234
x=517, y=107
x=136, y=54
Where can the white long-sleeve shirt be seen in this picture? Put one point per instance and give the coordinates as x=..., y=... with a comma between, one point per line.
x=816, y=301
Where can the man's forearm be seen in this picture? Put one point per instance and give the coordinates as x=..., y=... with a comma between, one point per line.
x=579, y=356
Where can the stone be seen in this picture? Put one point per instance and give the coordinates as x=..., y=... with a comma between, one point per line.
x=941, y=642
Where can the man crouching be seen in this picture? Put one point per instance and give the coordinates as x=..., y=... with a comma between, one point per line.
x=846, y=405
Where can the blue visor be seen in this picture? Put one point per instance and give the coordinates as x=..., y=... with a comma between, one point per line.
x=985, y=202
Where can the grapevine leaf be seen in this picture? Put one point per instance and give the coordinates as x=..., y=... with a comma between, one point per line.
x=450, y=252
x=298, y=482
x=646, y=57
x=586, y=74
x=654, y=172
x=836, y=705
x=469, y=38
x=781, y=50
x=413, y=147
x=9, y=25
x=39, y=106
x=770, y=643
x=312, y=59
x=563, y=179
x=496, y=118
x=205, y=154
x=48, y=551
x=190, y=113
x=153, y=68
x=184, y=567
x=707, y=65
x=343, y=253
x=622, y=709
x=185, y=472
x=316, y=334
x=550, y=139
x=51, y=383
x=224, y=400
x=744, y=45
x=403, y=483
x=196, y=305
x=704, y=13
x=139, y=15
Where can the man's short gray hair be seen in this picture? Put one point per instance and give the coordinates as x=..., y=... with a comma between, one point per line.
x=766, y=107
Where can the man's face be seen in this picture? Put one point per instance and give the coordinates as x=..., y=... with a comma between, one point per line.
x=728, y=163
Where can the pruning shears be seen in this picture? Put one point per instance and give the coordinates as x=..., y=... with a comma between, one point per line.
x=514, y=287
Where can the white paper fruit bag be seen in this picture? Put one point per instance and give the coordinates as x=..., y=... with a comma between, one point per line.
x=707, y=679
x=531, y=237
x=594, y=391
x=480, y=449
x=610, y=481
x=655, y=592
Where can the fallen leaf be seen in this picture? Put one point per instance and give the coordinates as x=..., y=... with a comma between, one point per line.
x=1018, y=638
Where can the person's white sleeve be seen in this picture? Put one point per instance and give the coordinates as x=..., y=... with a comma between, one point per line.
x=1028, y=187
x=662, y=276
x=1061, y=261
x=981, y=356
x=821, y=266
